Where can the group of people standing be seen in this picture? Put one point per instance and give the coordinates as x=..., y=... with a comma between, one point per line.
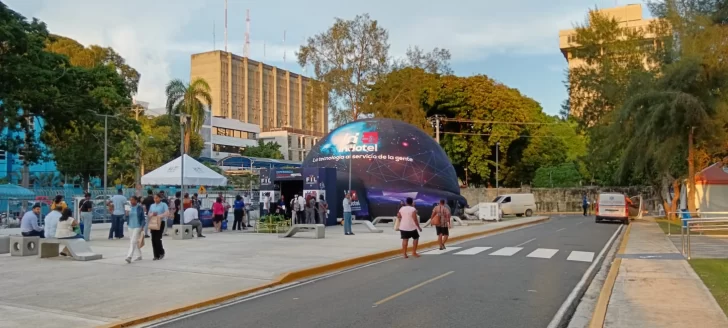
x=408, y=225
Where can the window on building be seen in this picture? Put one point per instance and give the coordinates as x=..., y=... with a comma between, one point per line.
x=234, y=133
x=226, y=148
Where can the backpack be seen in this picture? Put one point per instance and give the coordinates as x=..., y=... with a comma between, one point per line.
x=297, y=205
x=437, y=219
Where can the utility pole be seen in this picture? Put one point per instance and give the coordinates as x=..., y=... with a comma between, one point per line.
x=497, y=190
x=106, y=146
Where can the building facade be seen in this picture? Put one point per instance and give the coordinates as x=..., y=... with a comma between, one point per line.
x=226, y=137
x=295, y=144
x=629, y=16
x=11, y=165
x=256, y=93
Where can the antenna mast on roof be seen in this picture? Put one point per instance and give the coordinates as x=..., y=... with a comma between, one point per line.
x=246, y=48
x=284, y=48
x=225, y=25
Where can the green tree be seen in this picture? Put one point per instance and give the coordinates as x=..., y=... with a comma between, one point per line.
x=436, y=61
x=92, y=56
x=349, y=57
x=564, y=175
x=189, y=99
x=403, y=94
x=264, y=150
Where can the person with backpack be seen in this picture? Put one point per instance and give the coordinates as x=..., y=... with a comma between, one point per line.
x=440, y=219
x=295, y=209
x=311, y=210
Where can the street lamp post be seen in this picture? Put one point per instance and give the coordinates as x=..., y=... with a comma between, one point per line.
x=351, y=155
x=106, y=145
x=497, y=190
x=182, y=122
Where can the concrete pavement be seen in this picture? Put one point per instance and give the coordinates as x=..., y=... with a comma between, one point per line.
x=518, y=278
x=657, y=287
x=64, y=293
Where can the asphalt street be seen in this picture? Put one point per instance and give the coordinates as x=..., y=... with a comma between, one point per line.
x=518, y=278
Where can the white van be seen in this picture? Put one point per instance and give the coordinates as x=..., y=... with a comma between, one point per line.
x=612, y=206
x=518, y=204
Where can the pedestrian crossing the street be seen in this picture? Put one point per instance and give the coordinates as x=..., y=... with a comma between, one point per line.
x=538, y=253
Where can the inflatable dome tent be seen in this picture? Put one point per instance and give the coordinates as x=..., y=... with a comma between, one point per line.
x=391, y=160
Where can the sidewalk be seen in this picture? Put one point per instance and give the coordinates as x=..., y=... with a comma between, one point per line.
x=60, y=292
x=657, y=287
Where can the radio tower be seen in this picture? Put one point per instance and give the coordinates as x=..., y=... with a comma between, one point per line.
x=246, y=48
x=225, y=25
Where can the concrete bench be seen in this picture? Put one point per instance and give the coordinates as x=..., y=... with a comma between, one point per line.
x=182, y=231
x=367, y=224
x=24, y=246
x=319, y=230
x=4, y=244
x=79, y=249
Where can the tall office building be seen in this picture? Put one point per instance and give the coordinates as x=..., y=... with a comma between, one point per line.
x=629, y=16
x=261, y=94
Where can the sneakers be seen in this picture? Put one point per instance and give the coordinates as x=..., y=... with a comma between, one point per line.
x=138, y=259
x=128, y=260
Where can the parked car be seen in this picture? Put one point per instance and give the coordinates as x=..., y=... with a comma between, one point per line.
x=612, y=207
x=518, y=204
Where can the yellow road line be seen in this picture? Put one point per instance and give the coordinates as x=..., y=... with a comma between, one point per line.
x=600, y=310
x=413, y=288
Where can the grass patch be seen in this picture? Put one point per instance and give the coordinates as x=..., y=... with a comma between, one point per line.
x=714, y=273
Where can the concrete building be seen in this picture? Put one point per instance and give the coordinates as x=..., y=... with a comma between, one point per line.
x=295, y=144
x=629, y=16
x=256, y=93
x=226, y=137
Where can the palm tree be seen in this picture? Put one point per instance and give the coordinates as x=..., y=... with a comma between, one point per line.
x=189, y=99
x=672, y=116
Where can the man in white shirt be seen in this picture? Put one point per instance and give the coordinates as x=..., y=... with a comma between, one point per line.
x=300, y=209
x=191, y=217
x=118, y=204
x=51, y=222
x=346, y=204
x=29, y=224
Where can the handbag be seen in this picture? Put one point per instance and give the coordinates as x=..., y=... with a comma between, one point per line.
x=155, y=222
x=140, y=243
x=396, y=224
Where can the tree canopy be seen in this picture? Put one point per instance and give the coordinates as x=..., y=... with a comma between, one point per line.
x=264, y=149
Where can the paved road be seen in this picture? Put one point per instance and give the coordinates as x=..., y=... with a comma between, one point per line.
x=514, y=279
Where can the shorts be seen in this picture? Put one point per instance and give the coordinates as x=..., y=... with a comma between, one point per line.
x=414, y=234
x=217, y=218
x=445, y=231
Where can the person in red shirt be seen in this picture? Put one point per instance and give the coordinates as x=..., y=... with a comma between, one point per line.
x=218, y=210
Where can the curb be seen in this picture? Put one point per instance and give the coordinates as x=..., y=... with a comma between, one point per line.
x=302, y=274
x=600, y=310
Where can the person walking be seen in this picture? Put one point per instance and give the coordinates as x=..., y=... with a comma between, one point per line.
x=440, y=219
x=347, y=215
x=136, y=224
x=584, y=203
x=86, y=208
x=29, y=223
x=311, y=210
x=238, y=208
x=323, y=209
x=162, y=211
x=217, y=214
x=409, y=227
x=117, y=203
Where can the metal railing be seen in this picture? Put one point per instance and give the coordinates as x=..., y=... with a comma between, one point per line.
x=699, y=225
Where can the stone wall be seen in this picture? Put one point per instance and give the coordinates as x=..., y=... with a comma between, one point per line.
x=560, y=199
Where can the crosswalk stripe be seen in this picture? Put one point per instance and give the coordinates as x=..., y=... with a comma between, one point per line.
x=441, y=251
x=580, y=256
x=543, y=253
x=507, y=251
x=473, y=250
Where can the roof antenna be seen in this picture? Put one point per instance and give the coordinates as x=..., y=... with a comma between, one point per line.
x=225, y=25
x=246, y=48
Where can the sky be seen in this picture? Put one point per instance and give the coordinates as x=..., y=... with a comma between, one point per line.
x=512, y=41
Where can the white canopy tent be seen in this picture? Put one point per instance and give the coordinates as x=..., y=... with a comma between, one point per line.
x=196, y=174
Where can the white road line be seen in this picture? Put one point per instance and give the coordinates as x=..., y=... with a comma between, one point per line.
x=440, y=251
x=473, y=250
x=580, y=222
x=507, y=251
x=562, y=229
x=525, y=242
x=543, y=253
x=581, y=256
